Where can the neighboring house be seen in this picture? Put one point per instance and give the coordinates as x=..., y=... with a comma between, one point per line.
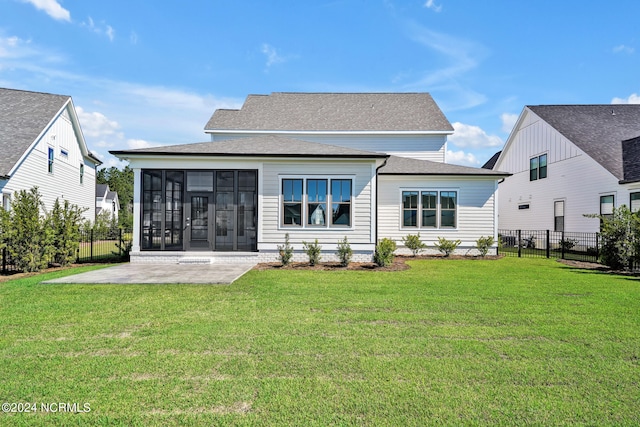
x=313, y=166
x=107, y=201
x=42, y=145
x=567, y=161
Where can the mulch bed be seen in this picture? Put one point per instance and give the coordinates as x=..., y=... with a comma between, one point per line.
x=399, y=264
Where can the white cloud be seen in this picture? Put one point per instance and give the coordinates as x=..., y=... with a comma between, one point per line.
x=139, y=143
x=272, y=55
x=96, y=125
x=100, y=28
x=624, y=49
x=51, y=8
x=472, y=136
x=462, y=158
x=431, y=4
x=508, y=121
x=634, y=98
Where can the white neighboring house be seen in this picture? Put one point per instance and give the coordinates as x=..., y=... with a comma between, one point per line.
x=314, y=166
x=567, y=161
x=107, y=201
x=41, y=144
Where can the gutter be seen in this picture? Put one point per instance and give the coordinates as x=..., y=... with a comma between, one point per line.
x=377, y=197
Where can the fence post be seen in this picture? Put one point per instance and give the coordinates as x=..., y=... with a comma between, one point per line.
x=597, y=247
x=562, y=245
x=120, y=243
x=548, y=244
x=519, y=243
x=4, y=260
x=91, y=246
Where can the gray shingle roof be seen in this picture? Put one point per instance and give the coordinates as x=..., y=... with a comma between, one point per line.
x=334, y=112
x=631, y=159
x=23, y=116
x=598, y=130
x=261, y=146
x=405, y=166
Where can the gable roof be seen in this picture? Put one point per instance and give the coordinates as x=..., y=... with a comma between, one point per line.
x=23, y=116
x=102, y=190
x=405, y=166
x=334, y=112
x=598, y=130
x=256, y=146
x=492, y=161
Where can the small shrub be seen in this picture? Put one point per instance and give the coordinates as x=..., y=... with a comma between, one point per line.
x=567, y=244
x=384, y=252
x=285, y=252
x=483, y=244
x=344, y=252
x=313, y=251
x=64, y=221
x=447, y=246
x=413, y=242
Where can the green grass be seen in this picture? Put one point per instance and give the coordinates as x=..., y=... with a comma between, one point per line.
x=471, y=342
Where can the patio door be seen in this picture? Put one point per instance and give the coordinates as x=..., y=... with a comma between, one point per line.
x=198, y=221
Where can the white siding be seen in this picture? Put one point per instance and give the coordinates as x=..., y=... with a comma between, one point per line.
x=64, y=182
x=423, y=147
x=572, y=176
x=361, y=231
x=475, y=213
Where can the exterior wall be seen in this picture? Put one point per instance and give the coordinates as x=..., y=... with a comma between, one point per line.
x=476, y=214
x=422, y=147
x=270, y=171
x=360, y=233
x=64, y=182
x=572, y=177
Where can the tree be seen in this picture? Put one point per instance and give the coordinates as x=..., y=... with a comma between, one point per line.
x=120, y=181
x=25, y=233
x=620, y=238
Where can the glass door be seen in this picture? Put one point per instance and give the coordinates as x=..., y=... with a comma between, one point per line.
x=197, y=222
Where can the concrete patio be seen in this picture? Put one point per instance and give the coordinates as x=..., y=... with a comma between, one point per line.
x=160, y=274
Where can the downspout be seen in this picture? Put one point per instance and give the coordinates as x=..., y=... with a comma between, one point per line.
x=377, y=196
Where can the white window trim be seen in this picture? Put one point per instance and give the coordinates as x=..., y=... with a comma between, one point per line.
x=305, y=203
x=438, y=210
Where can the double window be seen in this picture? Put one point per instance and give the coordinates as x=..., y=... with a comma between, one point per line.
x=429, y=209
x=538, y=167
x=316, y=202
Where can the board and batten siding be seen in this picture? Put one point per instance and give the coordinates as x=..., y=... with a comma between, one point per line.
x=572, y=177
x=361, y=233
x=422, y=147
x=64, y=182
x=476, y=214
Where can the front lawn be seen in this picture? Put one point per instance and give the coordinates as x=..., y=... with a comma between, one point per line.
x=509, y=341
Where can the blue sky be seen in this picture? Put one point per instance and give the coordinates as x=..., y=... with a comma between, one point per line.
x=145, y=73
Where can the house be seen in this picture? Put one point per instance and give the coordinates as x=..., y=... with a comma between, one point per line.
x=107, y=202
x=567, y=161
x=42, y=145
x=314, y=166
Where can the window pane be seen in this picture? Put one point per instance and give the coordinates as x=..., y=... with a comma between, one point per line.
x=542, y=172
x=317, y=214
x=292, y=213
x=292, y=190
x=317, y=190
x=448, y=209
x=635, y=202
x=341, y=190
x=533, y=169
x=341, y=214
x=606, y=205
x=429, y=218
x=410, y=199
x=200, y=181
x=410, y=218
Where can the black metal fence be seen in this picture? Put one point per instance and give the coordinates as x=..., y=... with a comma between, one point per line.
x=109, y=245
x=549, y=244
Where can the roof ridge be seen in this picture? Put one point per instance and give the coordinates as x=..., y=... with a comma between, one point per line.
x=32, y=91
